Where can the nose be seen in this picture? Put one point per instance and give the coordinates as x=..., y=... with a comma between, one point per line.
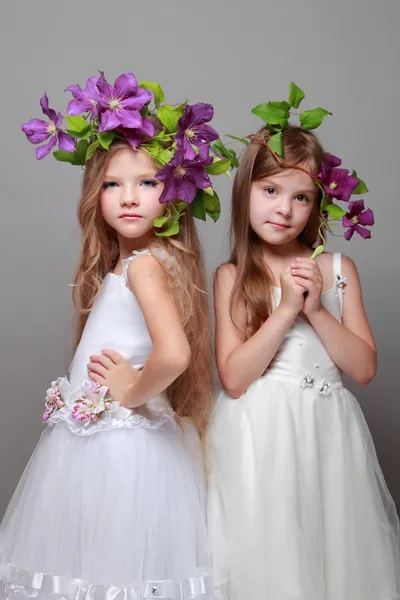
x=129, y=197
x=284, y=207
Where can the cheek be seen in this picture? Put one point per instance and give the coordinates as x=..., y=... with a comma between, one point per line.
x=258, y=209
x=107, y=206
x=303, y=214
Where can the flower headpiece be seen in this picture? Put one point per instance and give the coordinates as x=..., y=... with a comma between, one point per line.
x=178, y=138
x=334, y=182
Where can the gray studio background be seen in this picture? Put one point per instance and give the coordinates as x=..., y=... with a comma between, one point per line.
x=234, y=54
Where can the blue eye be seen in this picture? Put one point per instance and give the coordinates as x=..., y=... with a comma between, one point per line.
x=109, y=184
x=149, y=183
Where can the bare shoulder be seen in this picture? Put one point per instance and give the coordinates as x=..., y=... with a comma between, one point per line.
x=349, y=266
x=225, y=275
x=146, y=269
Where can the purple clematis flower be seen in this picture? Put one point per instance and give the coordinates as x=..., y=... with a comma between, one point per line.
x=86, y=100
x=183, y=177
x=120, y=104
x=338, y=183
x=329, y=161
x=356, y=218
x=37, y=131
x=192, y=128
x=135, y=136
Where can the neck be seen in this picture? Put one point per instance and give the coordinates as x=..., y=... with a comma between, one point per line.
x=285, y=252
x=128, y=245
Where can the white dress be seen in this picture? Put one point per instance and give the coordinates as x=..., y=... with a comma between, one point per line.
x=298, y=506
x=113, y=509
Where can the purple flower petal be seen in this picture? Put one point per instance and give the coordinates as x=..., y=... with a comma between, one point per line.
x=200, y=177
x=59, y=120
x=133, y=137
x=169, y=192
x=36, y=130
x=49, y=112
x=147, y=128
x=125, y=85
x=365, y=233
x=132, y=119
x=349, y=234
x=355, y=207
x=76, y=91
x=104, y=87
x=43, y=151
x=366, y=217
x=77, y=107
x=186, y=190
x=346, y=222
x=66, y=142
x=137, y=102
x=331, y=161
x=109, y=120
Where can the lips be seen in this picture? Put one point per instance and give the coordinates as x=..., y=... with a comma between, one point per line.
x=279, y=226
x=130, y=217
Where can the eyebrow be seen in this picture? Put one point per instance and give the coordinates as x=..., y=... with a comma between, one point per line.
x=269, y=182
x=140, y=176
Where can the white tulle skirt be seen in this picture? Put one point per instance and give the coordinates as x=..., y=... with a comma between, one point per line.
x=298, y=506
x=118, y=515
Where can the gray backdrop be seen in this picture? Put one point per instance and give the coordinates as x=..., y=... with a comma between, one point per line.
x=235, y=55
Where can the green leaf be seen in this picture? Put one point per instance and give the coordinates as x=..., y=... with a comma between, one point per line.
x=156, y=89
x=296, y=95
x=282, y=104
x=362, y=187
x=213, y=207
x=272, y=114
x=106, y=138
x=311, y=119
x=239, y=139
x=335, y=212
x=198, y=206
x=209, y=191
x=172, y=229
x=221, y=149
x=63, y=156
x=74, y=158
x=219, y=166
x=92, y=149
x=170, y=115
x=160, y=221
x=81, y=149
x=318, y=250
x=275, y=142
x=77, y=126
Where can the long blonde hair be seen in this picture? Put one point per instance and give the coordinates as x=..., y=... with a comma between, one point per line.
x=191, y=393
x=254, y=279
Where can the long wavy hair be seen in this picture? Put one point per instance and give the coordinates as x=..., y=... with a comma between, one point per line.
x=254, y=279
x=191, y=393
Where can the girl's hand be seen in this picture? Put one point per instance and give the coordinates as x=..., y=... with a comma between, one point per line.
x=292, y=291
x=308, y=274
x=110, y=369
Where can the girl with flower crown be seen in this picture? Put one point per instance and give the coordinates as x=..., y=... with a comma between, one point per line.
x=298, y=506
x=111, y=504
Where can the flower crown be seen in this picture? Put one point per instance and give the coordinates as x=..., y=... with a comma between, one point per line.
x=178, y=138
x=334, y=182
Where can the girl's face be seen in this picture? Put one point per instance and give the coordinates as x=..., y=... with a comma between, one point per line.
x=129, y=198
x=280, y=206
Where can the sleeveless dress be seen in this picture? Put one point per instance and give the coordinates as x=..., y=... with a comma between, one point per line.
x=111, y=505
x=298, y=506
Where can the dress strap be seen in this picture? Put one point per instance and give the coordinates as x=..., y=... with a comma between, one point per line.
x=127, y=261
x=338, y=279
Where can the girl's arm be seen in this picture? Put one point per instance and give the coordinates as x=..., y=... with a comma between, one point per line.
x=240, y=361
x=170, y=355
x=350, y=344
